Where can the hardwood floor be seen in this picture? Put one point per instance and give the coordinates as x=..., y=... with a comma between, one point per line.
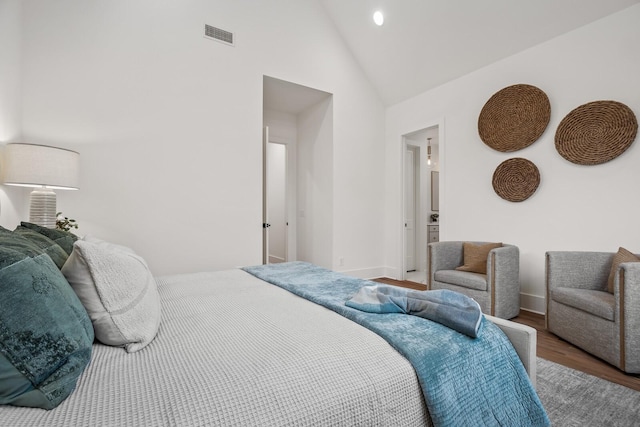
x=555, y=349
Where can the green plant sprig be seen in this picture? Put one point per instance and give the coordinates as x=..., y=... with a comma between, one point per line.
x=64, y=223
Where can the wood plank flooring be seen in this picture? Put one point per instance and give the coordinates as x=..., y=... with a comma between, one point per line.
x=555, y=349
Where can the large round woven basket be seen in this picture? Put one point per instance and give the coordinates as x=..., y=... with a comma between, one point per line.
x=516, y=179
x=514, y=118
x=596, y=132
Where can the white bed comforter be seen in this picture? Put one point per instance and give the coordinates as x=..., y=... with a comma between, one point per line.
x=233, y=350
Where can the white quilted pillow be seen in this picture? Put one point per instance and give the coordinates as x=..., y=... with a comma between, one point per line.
x=118, y=291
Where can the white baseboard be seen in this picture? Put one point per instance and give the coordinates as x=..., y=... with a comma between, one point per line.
x=392, y=273
x=533, y=303
x=273, y=259
x=365, y=273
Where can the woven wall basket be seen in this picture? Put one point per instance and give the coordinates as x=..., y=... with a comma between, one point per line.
x=596, y=132
x=516, y=179
x=514, y=118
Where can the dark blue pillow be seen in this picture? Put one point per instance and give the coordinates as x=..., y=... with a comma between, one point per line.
x=45, y=332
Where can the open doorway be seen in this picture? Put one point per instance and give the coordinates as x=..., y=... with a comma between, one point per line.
x=411, y=207
x=417, y=209
x=298, y=123
x=279, y=199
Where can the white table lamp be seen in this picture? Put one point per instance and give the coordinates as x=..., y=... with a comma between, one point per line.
x=45, y=168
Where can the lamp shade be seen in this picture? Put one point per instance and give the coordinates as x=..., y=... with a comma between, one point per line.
x=31, y=165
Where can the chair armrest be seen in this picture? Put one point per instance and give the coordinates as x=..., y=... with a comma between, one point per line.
x=443, y=256
x=626, y=290
x=507, y=265
x=626, y=283
x=503, y=281
x=524, y=339
x=577, y=269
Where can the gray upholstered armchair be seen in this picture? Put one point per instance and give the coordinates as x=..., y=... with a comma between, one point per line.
x=582, y=311
x=497, y=291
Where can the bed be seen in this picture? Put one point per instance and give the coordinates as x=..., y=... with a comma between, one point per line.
x=233, y=350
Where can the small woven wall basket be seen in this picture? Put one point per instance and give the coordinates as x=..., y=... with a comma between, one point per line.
x=514, y=118
x=596, y=132
x=516, y=179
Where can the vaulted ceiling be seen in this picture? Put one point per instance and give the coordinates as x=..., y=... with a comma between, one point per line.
x=425, y=43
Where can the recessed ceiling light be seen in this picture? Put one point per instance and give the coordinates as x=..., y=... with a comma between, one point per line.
x=378, y=17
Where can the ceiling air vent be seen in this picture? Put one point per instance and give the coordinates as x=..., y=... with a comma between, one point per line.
x=218, y=34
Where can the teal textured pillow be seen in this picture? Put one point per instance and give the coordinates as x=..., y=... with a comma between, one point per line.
x=61, y=237
x=8, y=239
x=51, y=248
x=45, y=332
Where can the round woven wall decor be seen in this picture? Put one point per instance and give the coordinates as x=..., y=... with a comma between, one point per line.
x=514, y=118
x=596, y=132
x=516, y=179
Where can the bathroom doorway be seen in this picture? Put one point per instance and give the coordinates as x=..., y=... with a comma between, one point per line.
x=416, y=201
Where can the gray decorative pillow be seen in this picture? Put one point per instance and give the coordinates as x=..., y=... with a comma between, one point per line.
x=118, y=291
x=107, y=245
x=45, y=333
x=51, y=248
x=61, y=237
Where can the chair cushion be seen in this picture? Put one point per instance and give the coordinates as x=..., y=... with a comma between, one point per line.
x=475, y=257
x=598, y=303
x=621, y=256
x=462, y=278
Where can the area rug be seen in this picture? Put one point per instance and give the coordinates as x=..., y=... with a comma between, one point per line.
x=573, y=398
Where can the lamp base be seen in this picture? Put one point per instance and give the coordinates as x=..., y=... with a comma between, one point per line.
x=42, y=207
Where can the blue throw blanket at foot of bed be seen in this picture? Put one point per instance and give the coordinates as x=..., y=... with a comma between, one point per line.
x=452, y=309
x=465, y=381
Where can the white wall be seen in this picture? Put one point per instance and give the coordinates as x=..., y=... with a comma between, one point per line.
x=282, y=126
x=169, y=124
x=575, y=207
x=315, y=184
x=13, y=200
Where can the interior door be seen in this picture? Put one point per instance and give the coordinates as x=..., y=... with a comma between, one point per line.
x=265, y=198
x=410, y=210
x=275, y=208
x=277, y=202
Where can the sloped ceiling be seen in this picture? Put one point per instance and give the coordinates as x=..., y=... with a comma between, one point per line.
x=425, y=43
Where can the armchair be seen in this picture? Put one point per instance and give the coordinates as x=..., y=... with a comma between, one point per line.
x=582, y=311
x=497, y=291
